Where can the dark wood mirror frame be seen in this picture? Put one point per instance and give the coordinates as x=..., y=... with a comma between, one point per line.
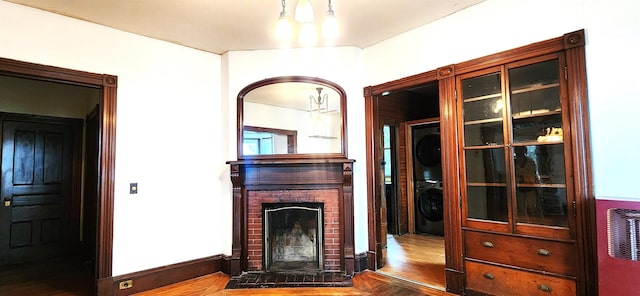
x=286, y=79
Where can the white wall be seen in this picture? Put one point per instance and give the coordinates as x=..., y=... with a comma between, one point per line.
x=341, y=65
x=167, y=132
x=612, y=31
x=613, y=44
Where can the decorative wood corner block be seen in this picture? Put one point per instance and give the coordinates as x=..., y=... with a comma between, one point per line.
x=574, y=39
x=446, y=72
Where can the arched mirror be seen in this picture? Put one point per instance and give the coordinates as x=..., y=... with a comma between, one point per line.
x=292, y=117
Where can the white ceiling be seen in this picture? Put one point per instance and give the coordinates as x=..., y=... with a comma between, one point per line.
x=219, y=26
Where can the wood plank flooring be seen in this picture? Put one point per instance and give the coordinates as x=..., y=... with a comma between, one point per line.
x=416, y=257
x=367, y=283
x=415, y=266
x=58, y=277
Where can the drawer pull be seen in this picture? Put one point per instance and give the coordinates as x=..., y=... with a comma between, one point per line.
x=487, y=244
x=544, y=288
x=489, y=276
x=543, y=252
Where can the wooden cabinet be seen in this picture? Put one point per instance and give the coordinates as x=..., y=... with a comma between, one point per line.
x=497, y=280
x=529, y=253
x=516, y=168
x=516, y=178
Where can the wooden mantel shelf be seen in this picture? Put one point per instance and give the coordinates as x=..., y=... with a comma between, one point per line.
x=281, y=161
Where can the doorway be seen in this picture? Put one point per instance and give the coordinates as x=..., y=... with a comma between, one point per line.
x=410, y=190
x=97, y=241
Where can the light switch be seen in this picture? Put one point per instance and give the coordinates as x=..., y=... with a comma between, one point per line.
x=133, y=188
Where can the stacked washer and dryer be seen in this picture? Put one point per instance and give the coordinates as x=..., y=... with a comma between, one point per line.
x=427, y=168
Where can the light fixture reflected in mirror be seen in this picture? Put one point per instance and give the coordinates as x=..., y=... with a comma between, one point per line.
x=304, y=15
x=322, y=126
x=319, y=105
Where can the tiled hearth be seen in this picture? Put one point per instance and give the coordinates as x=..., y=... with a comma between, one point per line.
x=280, y=280
x=262, y=183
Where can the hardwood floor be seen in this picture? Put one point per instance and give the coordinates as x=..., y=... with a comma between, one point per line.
x=364, y=284
x=415, y=266
x=416, y=257
x=59, y=277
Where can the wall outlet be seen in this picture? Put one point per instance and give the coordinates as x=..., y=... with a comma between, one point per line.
x=133, y=188
x=126, y=284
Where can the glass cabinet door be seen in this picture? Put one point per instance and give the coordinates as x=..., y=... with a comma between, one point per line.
x=484, y=147
x=513, y=152
x=538, y=144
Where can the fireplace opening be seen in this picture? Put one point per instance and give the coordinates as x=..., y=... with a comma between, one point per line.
x=293, y=237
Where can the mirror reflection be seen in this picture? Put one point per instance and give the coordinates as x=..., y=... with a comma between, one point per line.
x=291, y=115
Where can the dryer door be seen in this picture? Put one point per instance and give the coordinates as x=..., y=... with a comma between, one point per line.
x=430, y=204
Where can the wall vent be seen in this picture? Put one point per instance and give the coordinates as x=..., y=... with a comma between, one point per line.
x=624, y=233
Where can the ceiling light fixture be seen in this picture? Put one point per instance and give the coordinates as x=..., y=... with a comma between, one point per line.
x=307, y=33
x=330, y=25
x=304, y=11
x=284, y=31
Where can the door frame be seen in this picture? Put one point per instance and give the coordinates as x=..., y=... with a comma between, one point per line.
x=445, y=77
x=107, y=145
x=409, y=159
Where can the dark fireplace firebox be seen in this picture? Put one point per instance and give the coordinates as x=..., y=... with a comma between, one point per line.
x=293, y=237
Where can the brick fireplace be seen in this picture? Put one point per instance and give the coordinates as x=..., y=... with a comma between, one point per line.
x=331, y=238
x=298, y=184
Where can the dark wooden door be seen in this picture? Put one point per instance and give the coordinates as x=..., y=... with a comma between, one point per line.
x=36, y=191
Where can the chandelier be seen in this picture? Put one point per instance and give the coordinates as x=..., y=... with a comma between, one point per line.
x=307, y=33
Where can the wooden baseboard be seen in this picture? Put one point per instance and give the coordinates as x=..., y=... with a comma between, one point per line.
x=361, y=262
x=160, y=276
x=454, y=281
x=170, y=274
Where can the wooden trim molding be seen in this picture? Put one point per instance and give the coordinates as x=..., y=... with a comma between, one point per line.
x=108, y=84
x=161, y=276
x=454, y=263
x=582, y=172
x=446, y=72
x=574, y=39
x=402, y=83
x=373, y=207
x=520, y=53
x=107, y=176
x=361, y=262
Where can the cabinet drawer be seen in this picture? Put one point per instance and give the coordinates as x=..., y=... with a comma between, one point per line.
x=495, y=280
x=543, y=255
